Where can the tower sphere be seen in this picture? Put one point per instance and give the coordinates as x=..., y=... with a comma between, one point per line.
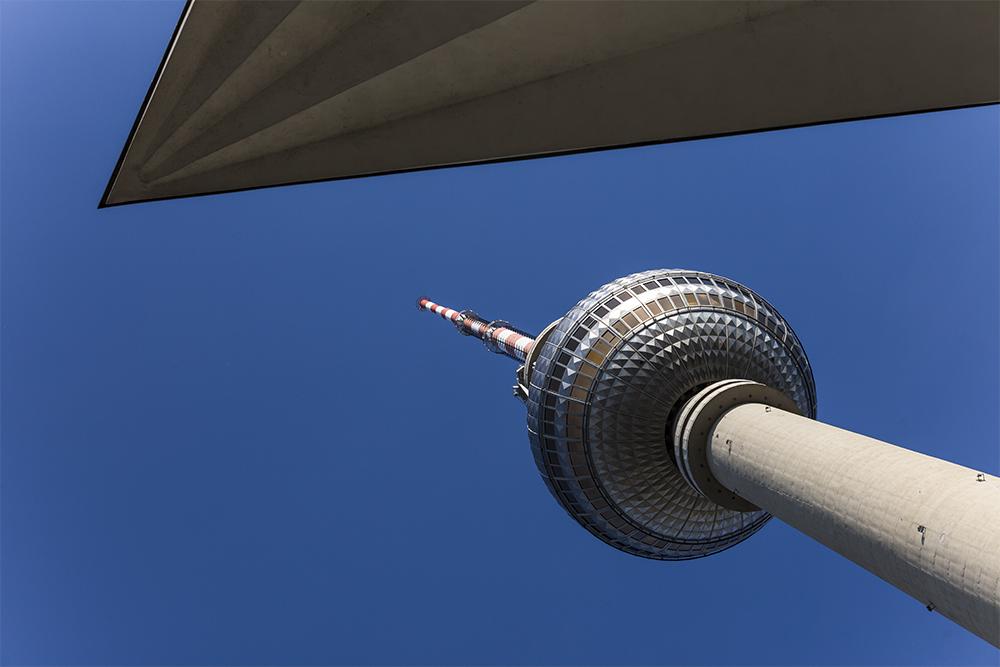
x=671, y=411
x=606, y=385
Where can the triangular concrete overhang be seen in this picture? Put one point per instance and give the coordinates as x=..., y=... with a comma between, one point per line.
x=259, y=94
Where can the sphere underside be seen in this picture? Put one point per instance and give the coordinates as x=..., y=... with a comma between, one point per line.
x=611, y=378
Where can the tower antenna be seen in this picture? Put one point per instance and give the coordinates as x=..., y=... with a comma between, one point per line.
x=499, y=336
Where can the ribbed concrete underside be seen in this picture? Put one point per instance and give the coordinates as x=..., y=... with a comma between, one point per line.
x=929, y=527
x=254, y=94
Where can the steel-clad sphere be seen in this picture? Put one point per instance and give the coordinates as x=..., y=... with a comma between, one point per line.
x=607, y=384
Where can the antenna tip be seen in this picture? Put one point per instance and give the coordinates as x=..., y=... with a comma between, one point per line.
x=421, y=301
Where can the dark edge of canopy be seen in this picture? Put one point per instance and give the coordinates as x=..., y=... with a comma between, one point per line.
x=575, y=151
x=142, y=109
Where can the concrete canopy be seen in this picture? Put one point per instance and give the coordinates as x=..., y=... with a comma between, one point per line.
x=263, y=93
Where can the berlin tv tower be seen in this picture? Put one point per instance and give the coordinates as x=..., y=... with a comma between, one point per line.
x=672, y=414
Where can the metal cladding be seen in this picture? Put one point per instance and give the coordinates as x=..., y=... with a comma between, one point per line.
x=499, y=336
x=607, y=387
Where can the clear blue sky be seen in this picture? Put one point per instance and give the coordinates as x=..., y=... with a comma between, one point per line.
x=229, y=437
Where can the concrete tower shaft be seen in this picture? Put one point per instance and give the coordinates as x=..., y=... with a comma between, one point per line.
x=929, y=527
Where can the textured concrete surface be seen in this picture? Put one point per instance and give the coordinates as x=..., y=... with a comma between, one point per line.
x=258, y=93
x=929, y=527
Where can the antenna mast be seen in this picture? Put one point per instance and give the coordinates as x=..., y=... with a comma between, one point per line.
x=499, y=336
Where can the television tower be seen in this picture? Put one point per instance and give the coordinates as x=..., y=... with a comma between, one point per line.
x=672, y=414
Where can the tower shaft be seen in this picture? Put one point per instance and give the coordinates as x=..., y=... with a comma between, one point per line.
x=929, y=527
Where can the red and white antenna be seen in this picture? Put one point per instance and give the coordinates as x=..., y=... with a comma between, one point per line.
x=499, y=336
